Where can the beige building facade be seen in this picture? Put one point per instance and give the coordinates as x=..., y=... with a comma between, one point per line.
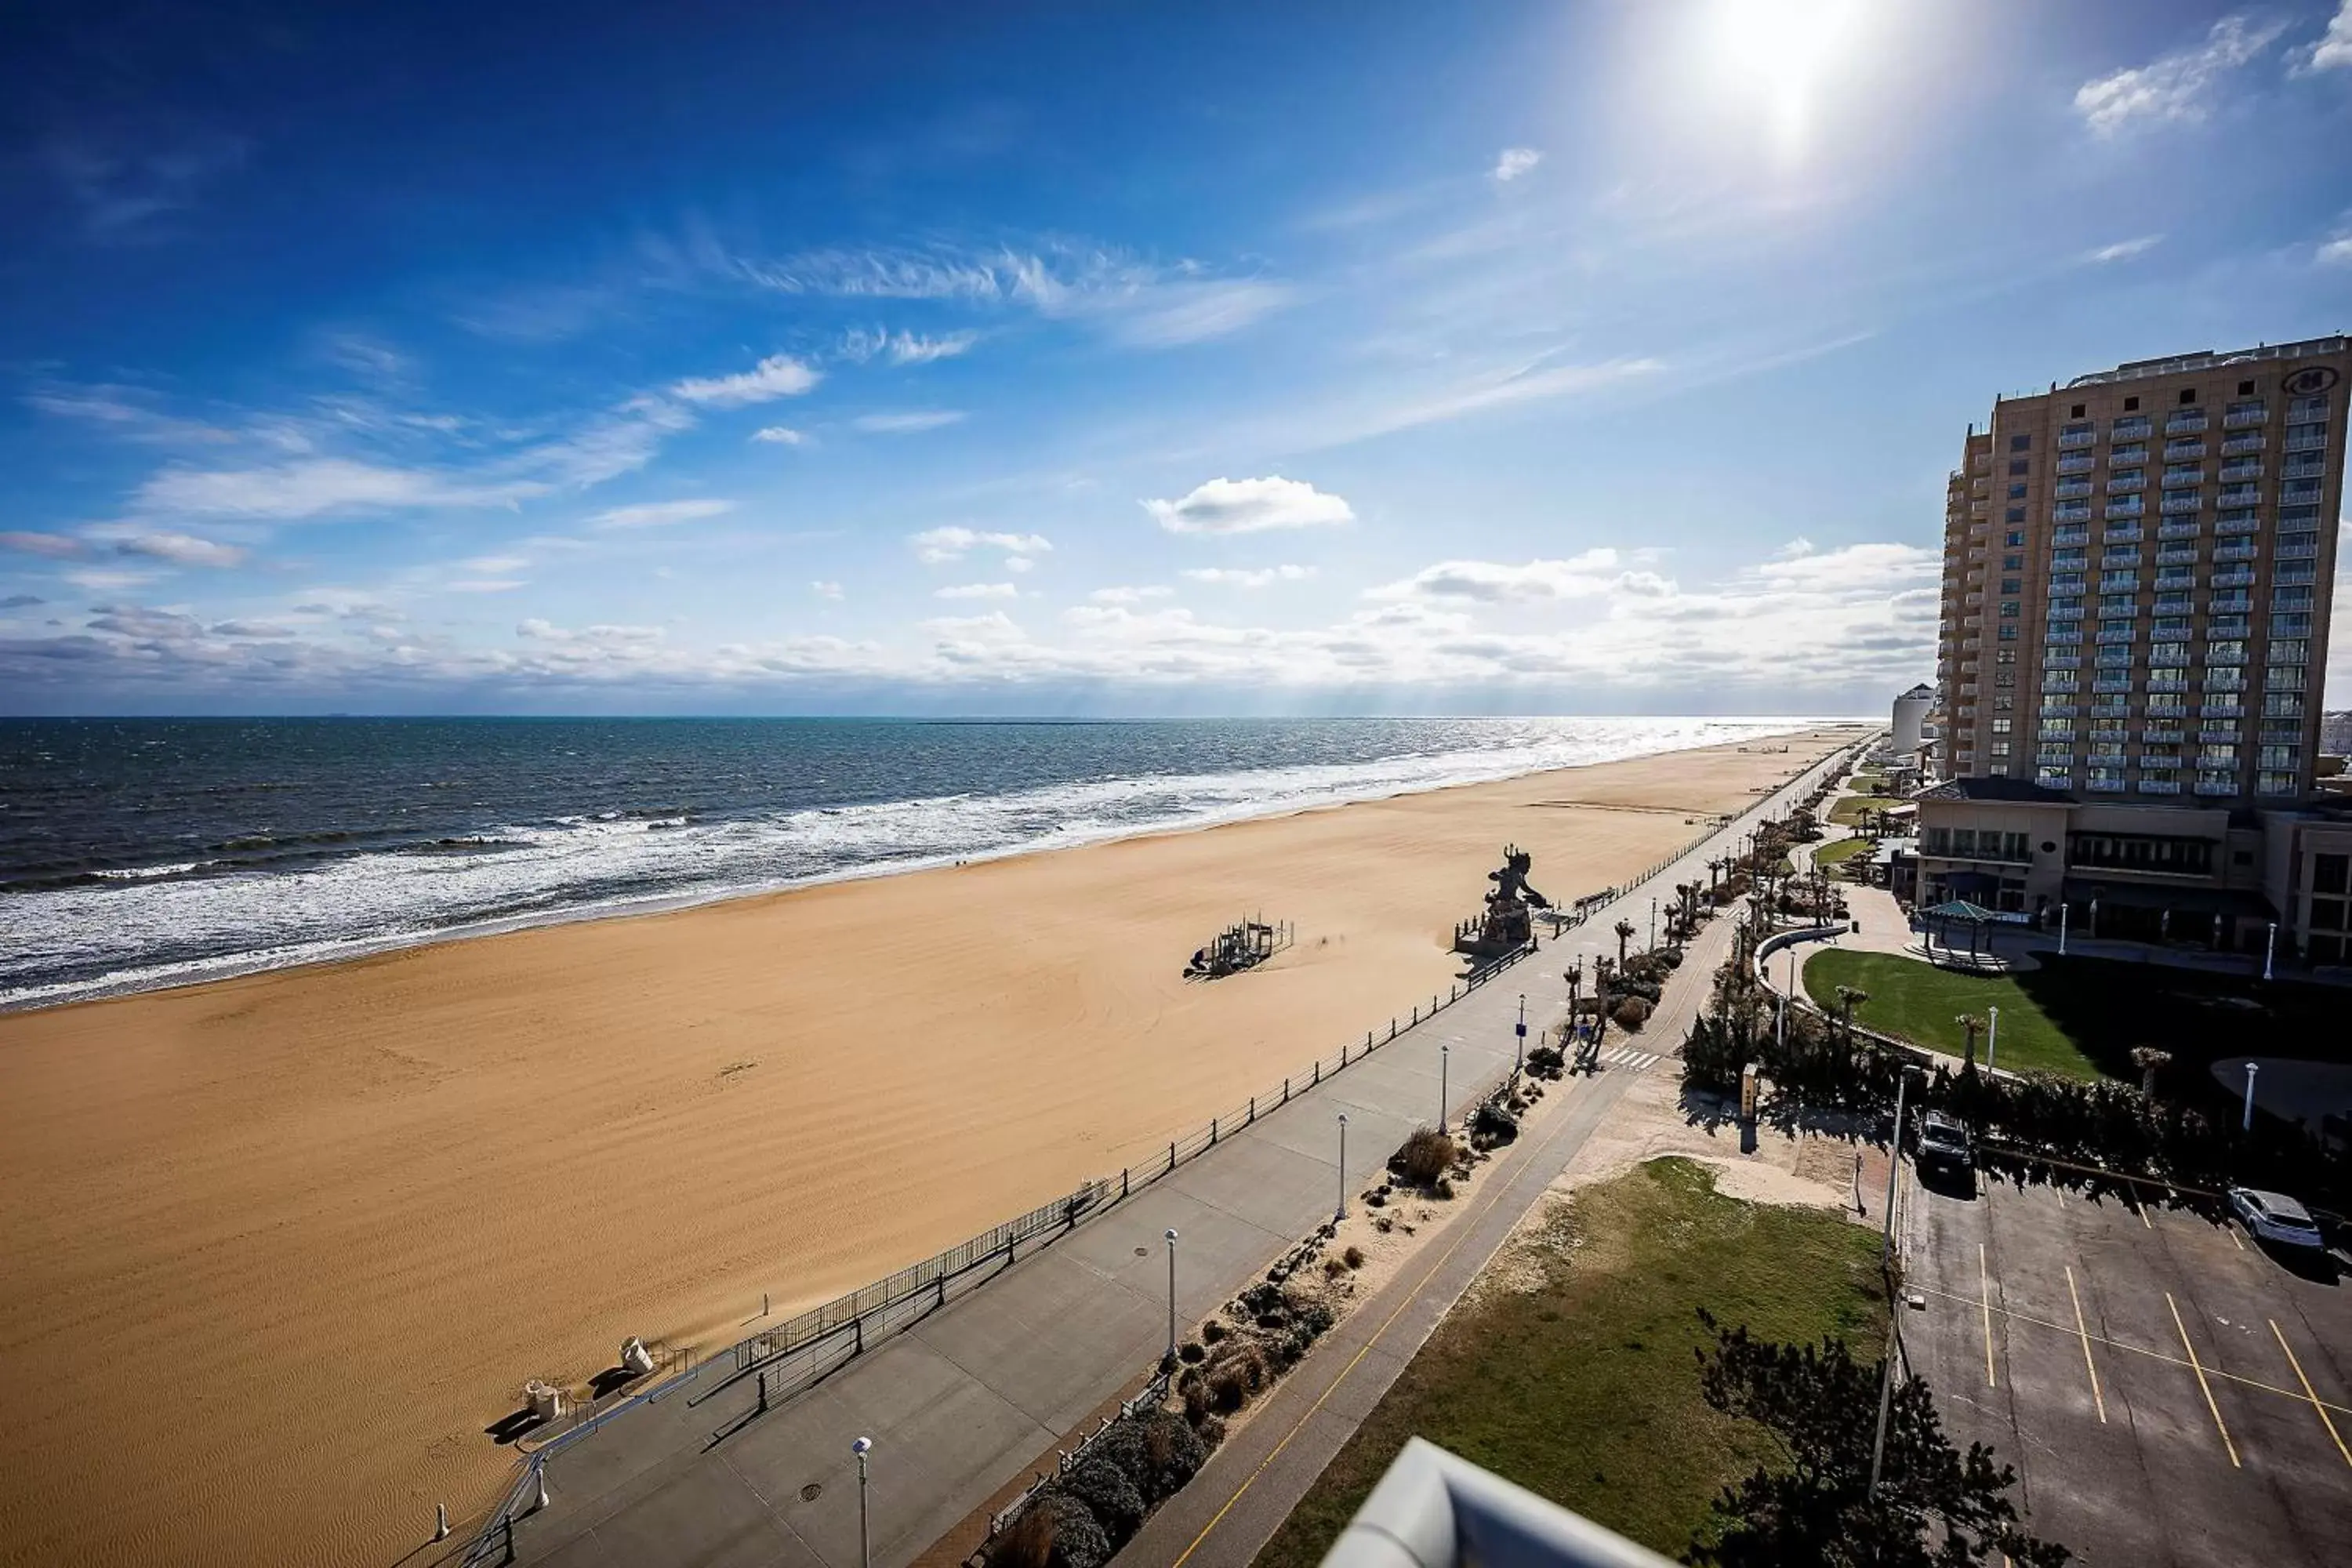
x=2137, y=568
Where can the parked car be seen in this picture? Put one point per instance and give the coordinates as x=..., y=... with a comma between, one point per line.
x=1944, y=1144
x=2274, y=1217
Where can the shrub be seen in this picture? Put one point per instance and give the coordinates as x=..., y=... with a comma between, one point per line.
x=1630, y=1014
x=1027, y=1541
x=1056, y=1531
x=1355, y=1257
x=1191, y=1351
x=1111, y=1495
x=1228, y=1391
x=1424, y=1157
x=1212, y=1331
x=1333, y=1269
x=1491, y=1124
x=1211, y=1430
x=1174, y=1451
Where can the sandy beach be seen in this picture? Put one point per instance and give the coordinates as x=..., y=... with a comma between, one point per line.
x=281, y=1247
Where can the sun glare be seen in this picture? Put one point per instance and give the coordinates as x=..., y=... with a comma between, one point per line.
x=1787, y=54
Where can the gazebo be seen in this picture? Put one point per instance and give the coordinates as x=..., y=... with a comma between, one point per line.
x=1976, y=916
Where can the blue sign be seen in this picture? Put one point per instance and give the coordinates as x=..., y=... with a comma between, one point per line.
x=1523, y=1031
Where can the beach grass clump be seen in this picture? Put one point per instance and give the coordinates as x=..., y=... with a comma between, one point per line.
x=1424, y=1158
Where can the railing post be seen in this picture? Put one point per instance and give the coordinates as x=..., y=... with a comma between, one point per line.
x=1212, y=1132
x=1318, y=1072
x=1122, y=1181
x=1253, y=1113
x=1286, y=1091
x=1172, y=1156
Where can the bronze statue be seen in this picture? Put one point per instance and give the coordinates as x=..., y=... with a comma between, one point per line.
x=1508, y=923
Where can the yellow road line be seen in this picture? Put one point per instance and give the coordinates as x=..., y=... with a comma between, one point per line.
x=2231, y=1232
x=2141, y=1204
x=1984, y=1296
x=2083, y=1329
x=2198, y=1369
x=2114, y=1345
x=1468, y=1225
x=2308, y=1394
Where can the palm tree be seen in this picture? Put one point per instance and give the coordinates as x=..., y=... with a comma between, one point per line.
x=2148, y=1059
x=1714, y=872
x=1849, y=998
x=1625, y=935
x=1972, y=1023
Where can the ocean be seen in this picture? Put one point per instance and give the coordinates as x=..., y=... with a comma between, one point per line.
x=142, y=852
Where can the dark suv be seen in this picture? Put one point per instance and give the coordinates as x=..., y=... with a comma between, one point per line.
x=1943, y=1145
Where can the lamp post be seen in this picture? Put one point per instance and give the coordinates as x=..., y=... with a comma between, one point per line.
x=1654, y=922
x=2248, y=1124
x=1341, y=1212
x=2063, y=909
x=1171, y=1297
x=1894, y=1168
x=863, y=1446
x=1520, y=1051
x=2270, y=949
x=1992, y=1037
x=1444, y=1057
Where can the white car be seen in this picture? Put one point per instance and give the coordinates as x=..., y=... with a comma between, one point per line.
x=2274, y=1217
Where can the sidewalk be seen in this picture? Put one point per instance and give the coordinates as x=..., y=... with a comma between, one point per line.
x=961, y=1404
x=1252, y=1483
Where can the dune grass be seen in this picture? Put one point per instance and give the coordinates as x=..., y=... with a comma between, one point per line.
x=1576, y=1379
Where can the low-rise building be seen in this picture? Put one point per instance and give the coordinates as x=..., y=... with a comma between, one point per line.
x=2148, y=873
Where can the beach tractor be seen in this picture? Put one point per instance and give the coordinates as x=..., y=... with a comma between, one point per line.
x=1507, y=922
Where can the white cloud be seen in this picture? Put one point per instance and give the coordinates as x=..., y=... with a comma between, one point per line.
x=1591, y=575
x=1515, y=161
x=862, y=343
x=181, y=549
x=660, y=514
x=2334, y=51
x=1019, y=563
x=2175, y=87
x=55, y=546
x=320, y=487
x=537, y=630
x=1250, y=506
x=495, y=565
x=1795, y=549
x=1248, y=577
x=780, y=436
x=488, y=584
x=1122, y=595
x=825, y=590
x=935, y=546
x=2125, y=249
x=2336, y=252
x=1499, y=389
x=777, y=376
x=978, y=590
x=908, y=422
x=1133, y=301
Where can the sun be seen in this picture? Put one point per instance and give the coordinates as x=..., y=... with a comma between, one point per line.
x=1789, y=53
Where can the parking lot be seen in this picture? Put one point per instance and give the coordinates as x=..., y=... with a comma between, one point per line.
x=2168, y=1390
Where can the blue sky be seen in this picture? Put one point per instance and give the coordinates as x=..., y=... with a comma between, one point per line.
x=1580, y=358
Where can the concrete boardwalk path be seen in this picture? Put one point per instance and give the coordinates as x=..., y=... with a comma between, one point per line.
x=961, y=1404
x=1252, y=1483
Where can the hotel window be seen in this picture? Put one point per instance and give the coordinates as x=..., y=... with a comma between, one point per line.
x=2020, y=443
x=2012, y=585
x=2283, y=705
x=2014, y=514
x=2006, y=655
x=2131, y=404
x=2291, y=651
x=2276, y=757
x=2168, y=653
x=2015, y=538
x=2006, y=634
x=2000, y=726
x=2000, y=748
x=2012, y=562
x=2277, y=783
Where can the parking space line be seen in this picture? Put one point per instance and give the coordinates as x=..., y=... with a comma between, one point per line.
x=2309, y=1394
x=2231, y=1232
x=1984, y=1296
x=2084, y=1330
x=2194, y=1366
x=2115, y=1344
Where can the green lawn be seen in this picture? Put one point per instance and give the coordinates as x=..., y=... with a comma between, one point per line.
x=1919, y=1001
x=1583, y=1387
x=1842, y=849
x=1847, y=809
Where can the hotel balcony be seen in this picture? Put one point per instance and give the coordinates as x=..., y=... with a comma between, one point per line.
x=2168, y=713
x=2235, y=577
x=2109, y=706
x=2216, y=786
x=2297, y=549
x=2235, y=525
x=2062, y=661
x=2304, y=468
x=2183, y=451
x=2167, y=686
x=1974, y=600
x=2240, y=494
x=2077, y=463
x=2238, y=602
x=2135, y=429
x=2236, y=553
x=2125, y=510
x=2118, y=683
x=2177, y=501
x=2065, y=611
x=2071, y=489
x=2244, y=416
x=2116, y=634
x=2071, y=537
x=2159, y=786
x=2174, y=605
x=2060, y=710
x=2071, y=512
x=2175, y=578
x=2249, y=470
x=2186, y=422
x=2296, y=490
x=2315, y=441
x=2074, y=440
x=2177, y=531
x=2125, y=484
x=2160, y=737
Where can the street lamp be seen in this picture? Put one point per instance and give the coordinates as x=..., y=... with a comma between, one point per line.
x=1445, y=1057
x=1341, y=1212
x=1992, y=1037
x=1520, y=1051
x=2270, y=949
x=863, y=1446
x=2063, y=908
x=2251, y=1068
x=1171, y=1297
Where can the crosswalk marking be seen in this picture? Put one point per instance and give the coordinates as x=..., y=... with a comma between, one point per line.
x=1627, y=1057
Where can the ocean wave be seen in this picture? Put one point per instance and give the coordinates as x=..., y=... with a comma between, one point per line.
x=301, y=901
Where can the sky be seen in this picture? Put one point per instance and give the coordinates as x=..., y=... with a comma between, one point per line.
x=1575, y=358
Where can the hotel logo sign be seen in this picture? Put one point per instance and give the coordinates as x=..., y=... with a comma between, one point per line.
x=2311, y=380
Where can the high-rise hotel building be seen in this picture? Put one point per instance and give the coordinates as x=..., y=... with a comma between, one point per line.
x=2136, y=573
